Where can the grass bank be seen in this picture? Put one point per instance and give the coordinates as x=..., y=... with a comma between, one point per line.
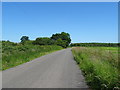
x=13, y=55
x=99, y=65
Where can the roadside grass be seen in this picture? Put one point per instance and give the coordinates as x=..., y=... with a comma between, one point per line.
x=99, y=65
x=19, y=54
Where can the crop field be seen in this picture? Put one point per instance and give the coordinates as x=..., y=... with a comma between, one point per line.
x=99, y=66
x=15, y=54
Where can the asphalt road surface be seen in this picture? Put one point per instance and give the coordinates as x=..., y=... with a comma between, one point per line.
x=55, y=70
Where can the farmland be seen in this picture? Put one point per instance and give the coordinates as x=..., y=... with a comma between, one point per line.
x=14, y=54
x=99, y=66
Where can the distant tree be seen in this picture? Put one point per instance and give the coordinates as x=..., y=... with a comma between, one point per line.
x=95, y=44
x=43, y=41
x=65, y=37
x=61, y=39
x=24, y=38
x=60, y=42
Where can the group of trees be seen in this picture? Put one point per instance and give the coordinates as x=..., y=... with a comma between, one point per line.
x=60, y=39
x=95, y=44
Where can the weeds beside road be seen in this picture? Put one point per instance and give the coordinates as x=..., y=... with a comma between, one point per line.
x=13, y=55
x=99, y=66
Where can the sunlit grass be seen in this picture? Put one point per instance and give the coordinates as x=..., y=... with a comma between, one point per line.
x=99, y=65
x=16, y=55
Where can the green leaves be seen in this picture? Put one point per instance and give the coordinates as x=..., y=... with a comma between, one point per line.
x=24, y=38
x=60, y=39
x=43, y=41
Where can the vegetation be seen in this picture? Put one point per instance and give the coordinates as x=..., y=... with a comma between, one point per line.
x=24, y=38
x=95, y=44
x=60, y=39
x=43, y=41
x=14, y=54
x=99, y=66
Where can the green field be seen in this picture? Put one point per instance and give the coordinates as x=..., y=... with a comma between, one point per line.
x=14, y=54
x=99, y=66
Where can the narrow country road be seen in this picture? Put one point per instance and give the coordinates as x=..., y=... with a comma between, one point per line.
x=55, y=70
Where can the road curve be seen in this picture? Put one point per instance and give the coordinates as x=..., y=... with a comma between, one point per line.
x=55, y=70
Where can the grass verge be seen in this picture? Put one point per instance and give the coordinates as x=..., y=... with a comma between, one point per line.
x=99, y=66
x=19, y=54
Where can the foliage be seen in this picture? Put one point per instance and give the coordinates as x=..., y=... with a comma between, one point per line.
x=14, y=54
x=24, y=38
x=43, y=41
x=99, y=65
x=95, y=44
x=61, y=39
x=60, y=42
x=29, y=42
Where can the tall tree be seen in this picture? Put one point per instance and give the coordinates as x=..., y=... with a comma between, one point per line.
x=43, y=41
x=24, y=38
x=65, y=37
x=60, y=42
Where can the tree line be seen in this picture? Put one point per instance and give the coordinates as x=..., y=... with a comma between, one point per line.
x=61, y=39
x=95, y=44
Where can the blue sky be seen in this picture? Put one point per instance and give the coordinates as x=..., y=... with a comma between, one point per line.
x=84, y=21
